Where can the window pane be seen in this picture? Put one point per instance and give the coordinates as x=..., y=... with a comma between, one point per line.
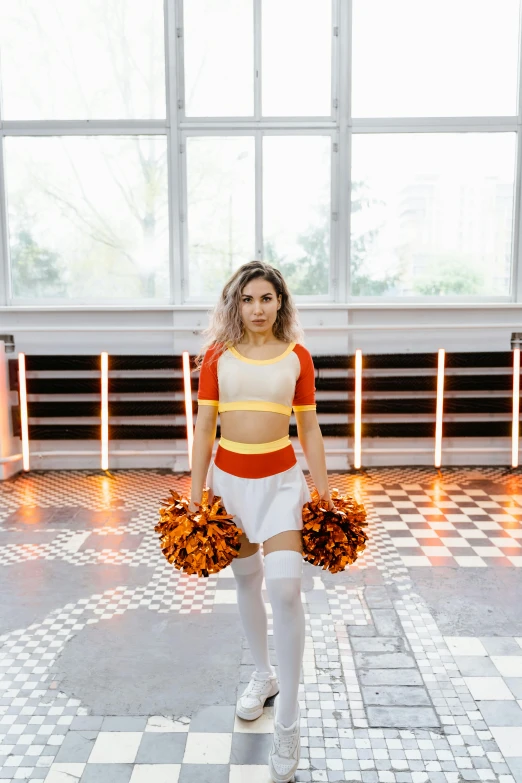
x=219, y=58
x=434, y=58
x=296, y=57
x=221, y=209
x=296, y=210
x=432, y=214
x=98, y=59
x=88, y=217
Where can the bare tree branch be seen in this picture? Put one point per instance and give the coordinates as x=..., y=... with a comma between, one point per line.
x=73, y=69
x=133, y=209
x=87, y=200
x=82, y=219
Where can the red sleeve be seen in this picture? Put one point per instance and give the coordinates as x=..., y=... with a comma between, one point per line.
x=304, y=397
x=208, y=389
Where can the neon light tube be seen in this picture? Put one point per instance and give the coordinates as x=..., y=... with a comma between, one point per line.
x=440, y=407
x=23, y=411
x=188, y=404
x=516, y=408
x=104, y=411
x=358, y=410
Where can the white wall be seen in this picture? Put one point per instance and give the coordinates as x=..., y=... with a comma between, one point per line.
x=149, y=330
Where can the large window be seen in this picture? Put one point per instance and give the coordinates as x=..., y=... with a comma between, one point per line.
x=368, y=148
x=87, y=208
x=221, y=209
x=218, y=58
x=263, y=187
x=297, y=209
x=435, y=58
x=88, y=216
x=93, y=60
x=432, y=213
x=432, y=208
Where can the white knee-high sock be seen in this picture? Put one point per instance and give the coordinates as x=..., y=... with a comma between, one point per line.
x=283, y=572
x=248, y=572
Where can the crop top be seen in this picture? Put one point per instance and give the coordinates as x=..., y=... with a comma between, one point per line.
x=235, y=383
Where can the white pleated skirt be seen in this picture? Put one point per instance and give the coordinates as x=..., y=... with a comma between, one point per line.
x=262, y=507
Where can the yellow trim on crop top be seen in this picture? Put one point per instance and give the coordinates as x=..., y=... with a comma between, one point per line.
x=255, y=405
x=260, y=361
x=255, y=448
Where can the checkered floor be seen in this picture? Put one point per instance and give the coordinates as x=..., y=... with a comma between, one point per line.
x=451, y=526
x=384, y=695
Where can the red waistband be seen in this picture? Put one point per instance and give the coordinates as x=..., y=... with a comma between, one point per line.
x=255, y=465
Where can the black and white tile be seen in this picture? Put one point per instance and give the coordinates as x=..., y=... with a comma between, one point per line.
x=385, y=696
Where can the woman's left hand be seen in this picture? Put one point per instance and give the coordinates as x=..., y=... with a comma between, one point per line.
x=329, y=502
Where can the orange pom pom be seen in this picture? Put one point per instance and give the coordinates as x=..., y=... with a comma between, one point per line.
x=202, y=542
x=333, y=539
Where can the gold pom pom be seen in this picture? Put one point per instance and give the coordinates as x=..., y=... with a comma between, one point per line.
x=333, y=539
x=202, y=542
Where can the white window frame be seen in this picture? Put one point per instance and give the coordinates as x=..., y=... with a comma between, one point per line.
x=442, y=125
x=340, y=125
x=259, y=126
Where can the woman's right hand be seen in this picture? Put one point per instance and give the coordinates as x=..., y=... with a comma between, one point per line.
x=192, y=505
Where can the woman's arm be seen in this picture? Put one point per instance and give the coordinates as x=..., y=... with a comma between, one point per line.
x=204, y=437
x=311, y=440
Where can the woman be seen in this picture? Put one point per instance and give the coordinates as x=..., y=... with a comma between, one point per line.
x=254, y=370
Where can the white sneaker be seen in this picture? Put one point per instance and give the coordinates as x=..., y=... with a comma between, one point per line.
x=251, y=702
x=284, y=756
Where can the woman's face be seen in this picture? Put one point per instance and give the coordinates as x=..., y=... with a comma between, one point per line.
x=259, y=306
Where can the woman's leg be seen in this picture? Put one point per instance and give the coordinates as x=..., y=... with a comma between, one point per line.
x=283, y=571
x=248, y=571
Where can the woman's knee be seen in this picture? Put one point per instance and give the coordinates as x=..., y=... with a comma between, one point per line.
x=283, y=572
x=284, y=593
x=248, y=569
x=246, y=549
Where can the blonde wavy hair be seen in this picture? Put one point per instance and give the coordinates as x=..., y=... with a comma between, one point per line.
x=225, y=322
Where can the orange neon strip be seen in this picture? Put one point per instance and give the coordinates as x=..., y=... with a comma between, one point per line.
x=188, y=404
x=23, y=410
x=440, y=408
x=357, y=427
x=104, y=411
x=515, y=433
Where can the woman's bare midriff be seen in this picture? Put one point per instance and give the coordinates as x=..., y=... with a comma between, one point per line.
x=254, y=426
